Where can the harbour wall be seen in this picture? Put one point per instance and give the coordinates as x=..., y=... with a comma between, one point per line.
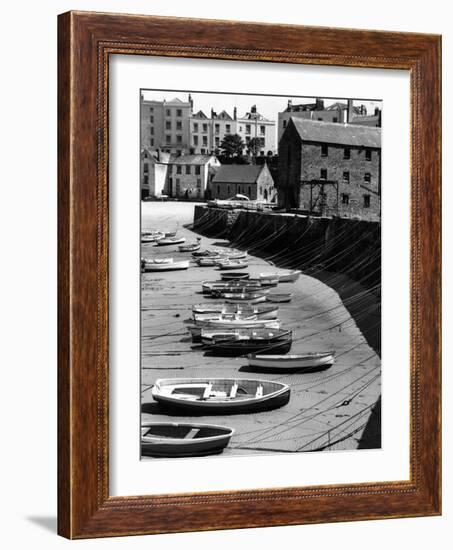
x=342, y=245
x=343, y=253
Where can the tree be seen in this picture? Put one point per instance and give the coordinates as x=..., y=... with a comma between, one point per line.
x=254, y=146
x=232, y=145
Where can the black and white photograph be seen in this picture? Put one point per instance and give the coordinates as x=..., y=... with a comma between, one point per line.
x=260, y=273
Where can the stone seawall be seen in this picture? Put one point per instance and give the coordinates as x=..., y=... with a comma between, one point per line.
x=341, y=245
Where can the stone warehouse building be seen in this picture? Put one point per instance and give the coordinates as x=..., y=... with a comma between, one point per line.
x=330, y=169
x=338, y=112
x=243, y=179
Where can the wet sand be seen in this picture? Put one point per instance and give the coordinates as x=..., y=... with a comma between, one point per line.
x=327, y=410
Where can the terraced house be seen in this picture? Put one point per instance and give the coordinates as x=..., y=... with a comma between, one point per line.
x=330, y=169
x=188, y=175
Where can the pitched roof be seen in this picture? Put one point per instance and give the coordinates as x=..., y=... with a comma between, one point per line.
x=200, y=114
x=189, y=159
x=238, y=173
x=333, y=132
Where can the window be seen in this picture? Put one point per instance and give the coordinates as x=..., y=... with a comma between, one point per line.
x=368, y=154
x=151, y=142
x=285, y=123
x=167, y=139
x=262, y=130
x=167, y=112
x=217, y=128
x=197, y=170
x=187, y=168
x=366, y=201
x=228, y=190
x=217, y=142
x=151, y=130
x=345, y=177
x=146, y=168
x=205, y=128
x=367, y=177
x=247, y=139
x=347, y=153
x=227, y=128
x=203, y=151
x=177, y=186
x=198, y=182
x=178, y=169
x=168, y=124
x=218, y=190
x=178, y=125
x=248, y=128
x=345, y=198
x=151, y=118
x=195, y=140
x=323, y=173
x=151, y=109
x=335, y=119
x=205, y=140
x=145, y=154
x=250, y=191
x=179, y=112
x=320, y=118
x=195, y=127
x=178, y=139
x=262, y=142
x=145, y=180
x=324, y=150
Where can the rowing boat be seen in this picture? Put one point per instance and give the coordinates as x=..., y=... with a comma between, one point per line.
x=244, y=312
x=170, y=266
x=232, y=264
x=230, y=324
x=234, y=276
x=287, y=277
x=274, y=297
x=220, y=395
x=145, y=261
x=247, y=341
x=245, y=297
x=305, y=361
x=209, y=286
x=189, y=247
x=176, y=440
x=208, y=261
x=151, y=236
x=215, y=308
x=168, y=241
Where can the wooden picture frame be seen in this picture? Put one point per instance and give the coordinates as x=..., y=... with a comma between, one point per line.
x=85, y=41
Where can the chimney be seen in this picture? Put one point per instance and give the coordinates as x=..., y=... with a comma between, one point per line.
x=212, y=112
x=235, y=113
x=290, y=104
x=253, y=109
x=191, y=101
x=319, y=104
x=350, y=111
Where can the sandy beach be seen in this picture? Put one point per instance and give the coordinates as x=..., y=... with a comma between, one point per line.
x=327, y=410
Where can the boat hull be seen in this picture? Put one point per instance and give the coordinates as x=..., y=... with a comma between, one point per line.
x=233, y=276
x=291, y=363
x=235, y=265
x=170, y=241
x=196, y=403
x=170, y=266
x=169, y=440
x=235, y=349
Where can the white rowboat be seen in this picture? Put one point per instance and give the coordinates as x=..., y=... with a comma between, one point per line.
x=306, y=361
x=167, y=241
x=220, y=395
x=171, y=266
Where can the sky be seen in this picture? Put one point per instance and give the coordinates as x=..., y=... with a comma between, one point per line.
x=268, y=106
